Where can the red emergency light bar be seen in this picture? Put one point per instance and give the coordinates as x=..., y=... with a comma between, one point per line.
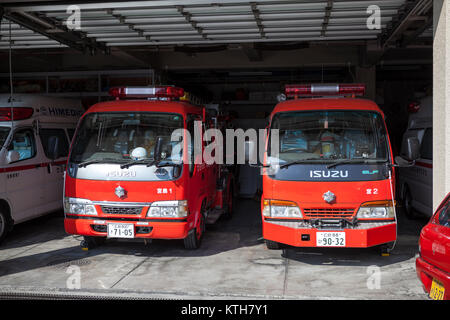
x=146, y=92
x=353, y=89
x=15, y=113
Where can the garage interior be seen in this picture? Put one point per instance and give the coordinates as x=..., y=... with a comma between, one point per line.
x=236, y=54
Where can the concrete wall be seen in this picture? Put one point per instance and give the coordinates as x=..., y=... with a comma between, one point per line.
x=441, y=101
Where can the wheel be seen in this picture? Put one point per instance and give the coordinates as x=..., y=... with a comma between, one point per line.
x=5, y=224
x=92, y=242
x=194, y=238
x=407, y=205
x=272, y=245
x=384, y=249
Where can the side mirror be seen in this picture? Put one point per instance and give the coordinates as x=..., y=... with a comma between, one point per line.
x=158, y=148
x=401, y=162
x=12, y=156
x=412, y=149
x=53, y=147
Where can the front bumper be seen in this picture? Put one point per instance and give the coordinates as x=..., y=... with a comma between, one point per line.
x=295, y=233
x=427, y=272
x=144, y=228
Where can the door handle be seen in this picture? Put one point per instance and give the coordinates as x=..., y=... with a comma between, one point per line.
x=49, y=168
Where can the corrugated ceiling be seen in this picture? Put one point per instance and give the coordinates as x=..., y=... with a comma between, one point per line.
x=196, y=22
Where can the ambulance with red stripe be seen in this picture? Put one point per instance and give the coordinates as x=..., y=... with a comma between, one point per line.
x=129, y=176
x=35, y=134
x=329, y=171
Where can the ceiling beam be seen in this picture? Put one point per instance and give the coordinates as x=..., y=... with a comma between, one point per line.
x=258, y=19
x=188, y=17
x=52, y=30
x=326, y=18
x=411, y=14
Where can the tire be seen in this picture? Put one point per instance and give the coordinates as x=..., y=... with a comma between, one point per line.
x=407, y=205
x=385, y=248
x=92, y=242
x=5, y=224
x=272, y=245
x=194, y=238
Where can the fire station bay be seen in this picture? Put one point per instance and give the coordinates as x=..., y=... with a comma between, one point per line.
x=227, y=149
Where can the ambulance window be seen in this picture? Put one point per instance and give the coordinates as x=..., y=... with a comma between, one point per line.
x=4, y=132
x=47, y=134
x=23, y=143
x=426, y=149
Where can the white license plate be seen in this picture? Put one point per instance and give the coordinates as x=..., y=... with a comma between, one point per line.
x=330, y=239
x=120, y=230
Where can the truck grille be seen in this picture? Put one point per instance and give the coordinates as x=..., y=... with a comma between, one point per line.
x=121, y=210
x=329, y=212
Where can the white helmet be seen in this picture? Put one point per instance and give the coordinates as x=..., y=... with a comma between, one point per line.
x=138, y=153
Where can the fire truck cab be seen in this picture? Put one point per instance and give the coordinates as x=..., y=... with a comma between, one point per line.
x=330, y=180
x=133, y=171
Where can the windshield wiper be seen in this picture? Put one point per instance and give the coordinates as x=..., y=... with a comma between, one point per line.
x=148, y=162
x=309, y=160
x=351, y=161
x=168, y=164
x=106, y=160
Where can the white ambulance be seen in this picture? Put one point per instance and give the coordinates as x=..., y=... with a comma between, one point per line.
x=35, y=135
x=416, y=182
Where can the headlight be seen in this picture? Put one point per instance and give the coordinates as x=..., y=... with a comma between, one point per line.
x=79, y=206
x=281, y=209
x=168, y=209
x=376, y=210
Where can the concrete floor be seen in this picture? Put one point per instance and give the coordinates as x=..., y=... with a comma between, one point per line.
x=232, y=263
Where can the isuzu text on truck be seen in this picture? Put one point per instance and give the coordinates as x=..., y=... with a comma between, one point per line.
x=331, y=181
x=127, y=177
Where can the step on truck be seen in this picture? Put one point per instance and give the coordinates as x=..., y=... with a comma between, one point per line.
x=133, y=172
x=330, y=180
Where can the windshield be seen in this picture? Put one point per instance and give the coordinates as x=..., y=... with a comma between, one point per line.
x=3, y=135
x=330, y=136
x=121, y=137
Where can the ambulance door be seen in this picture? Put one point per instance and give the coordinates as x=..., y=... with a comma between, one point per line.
x=55, y=164
x=24, y=175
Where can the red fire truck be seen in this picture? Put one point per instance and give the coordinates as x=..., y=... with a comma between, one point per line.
x=127, y=177
x=330, y=182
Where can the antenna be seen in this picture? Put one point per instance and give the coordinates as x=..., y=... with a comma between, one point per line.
x=11, y=99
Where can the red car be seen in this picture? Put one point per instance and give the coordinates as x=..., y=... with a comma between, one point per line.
x=433, y=263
